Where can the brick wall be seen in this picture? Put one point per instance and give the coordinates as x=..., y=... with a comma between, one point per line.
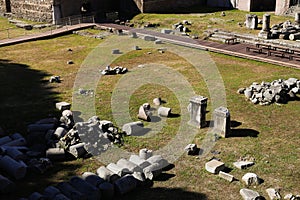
x=35, y=10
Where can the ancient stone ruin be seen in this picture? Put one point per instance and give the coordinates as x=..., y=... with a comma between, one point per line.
x=277, y=91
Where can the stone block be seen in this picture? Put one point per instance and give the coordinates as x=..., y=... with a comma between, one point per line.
x=248, y=194
x=149, y=38
x=243, y=164
x=226, y=176
x=125, y=184
x=273, y=194
x=132, y=167
x=164, y=111
x=142, y=163
x=251, y=179
x=145, y=153
x=214, y=166
x=116, y=51
x=133, y=128
x=191, y=149
x=63, y=106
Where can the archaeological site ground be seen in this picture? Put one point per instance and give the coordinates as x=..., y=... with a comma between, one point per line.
x=213, y=94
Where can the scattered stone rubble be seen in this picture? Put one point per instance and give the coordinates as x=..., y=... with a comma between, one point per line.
x=54, y=79
x=278, y=91
x=112, y=71
x=115, y=179
x=181, y=26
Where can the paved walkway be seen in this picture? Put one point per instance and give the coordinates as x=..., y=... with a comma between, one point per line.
x=46, y=34
x=238, y=50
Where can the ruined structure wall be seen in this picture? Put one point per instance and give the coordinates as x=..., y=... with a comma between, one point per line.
x=2, y=6
x=167, y=5
x=35, y=10
x=282, y=6
x=257, y=5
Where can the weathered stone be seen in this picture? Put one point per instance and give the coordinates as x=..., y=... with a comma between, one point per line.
x=166, y=31
x=248, y=93
x=214, y=166
x=6, y=185
x=251, y=21
x=241, y=90
x=78, y=150
x=107, y=190
x=158, y=42
x=152, y=171
x=85, y=188
x=221, y=118
x=12, y=167
x=197, y=109
x=273, y=194
x=15, y=154
x=251, y=179
x=158, y=159
x=142, y=163
x=164, y=111
x=63, y=106
x=36, y=196
x=133, y=128
x=125, y=184
x=145, y=153
x=226, y=176
x=5, y=139
x=116, y=51
x=69, y=191
x=60, y=132
x=143, y=114
x=117, y=169
x=92, y=178
x=191, y=149
x=265, y=32
x=157, y=101
x=129, y=165
x=248, y=194
x=51, y=192
x=106, y=174
x=243, y=164
x=56, y=154
x=149, y=38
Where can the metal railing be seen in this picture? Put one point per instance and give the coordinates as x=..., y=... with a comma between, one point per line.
x=76, y=19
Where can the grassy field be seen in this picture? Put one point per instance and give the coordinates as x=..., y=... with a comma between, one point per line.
x=270, y=134
x=207, y=19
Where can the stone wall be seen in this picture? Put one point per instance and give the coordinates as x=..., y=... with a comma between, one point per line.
x=223, y=3
x=282, y=6
x=149, y=6
x=35, y=10
x=257, y=5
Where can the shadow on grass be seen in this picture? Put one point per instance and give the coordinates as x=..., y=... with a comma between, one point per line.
x=243, y=132
x=24, y=96
x=162, y=194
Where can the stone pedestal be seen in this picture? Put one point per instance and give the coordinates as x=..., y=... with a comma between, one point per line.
x=265, y=31
x=197, y=109
x=251, y=21
x=221, y=118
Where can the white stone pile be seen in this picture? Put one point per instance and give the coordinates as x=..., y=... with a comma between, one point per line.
x=115, y=179
x=277, y=91
x=112, y=71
